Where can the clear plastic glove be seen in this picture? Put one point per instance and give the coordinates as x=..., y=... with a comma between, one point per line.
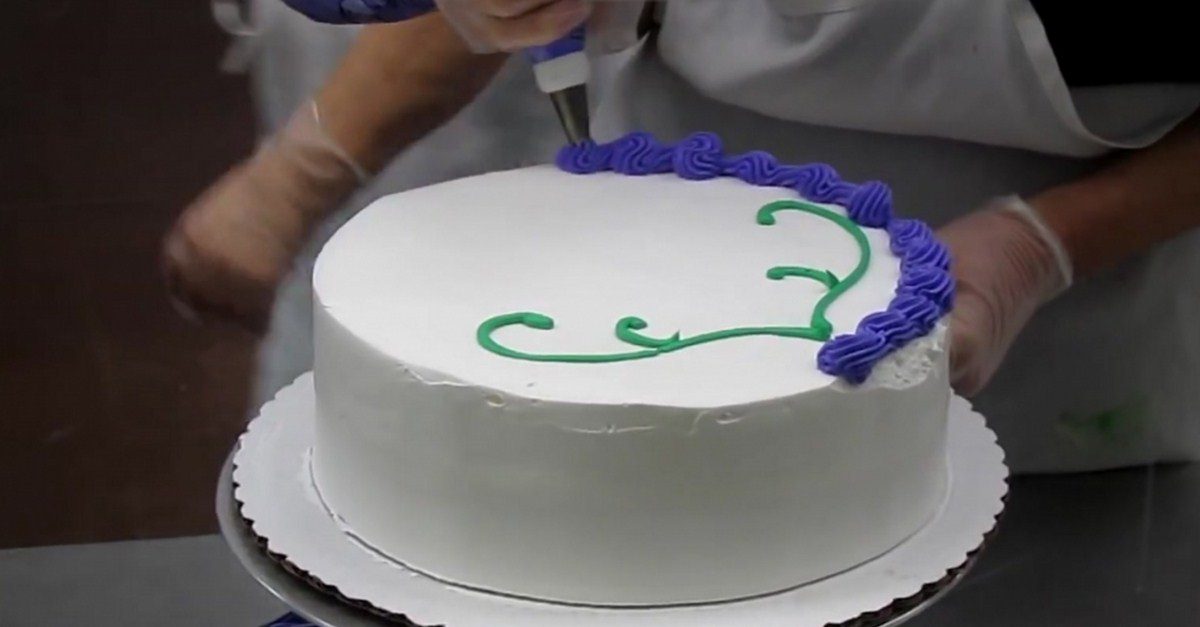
x=229, y=250
x=1007, y=263
x=511, y=25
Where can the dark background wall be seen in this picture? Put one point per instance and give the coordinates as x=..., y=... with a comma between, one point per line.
x=115, y=414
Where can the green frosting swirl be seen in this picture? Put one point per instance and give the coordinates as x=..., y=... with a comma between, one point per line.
x=628, y=328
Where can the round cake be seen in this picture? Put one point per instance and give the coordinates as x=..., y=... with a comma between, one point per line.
x=652, y=375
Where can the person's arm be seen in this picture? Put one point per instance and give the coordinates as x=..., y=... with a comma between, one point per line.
x=1145, y=198
x=397, y=83
x=1012, y=257
x=232, y=246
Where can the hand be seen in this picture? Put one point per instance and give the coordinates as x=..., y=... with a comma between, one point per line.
x=511, y=25
x=1007, y=264
x=229, y=250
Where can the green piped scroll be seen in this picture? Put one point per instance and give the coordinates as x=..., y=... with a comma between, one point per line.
x=628, y=329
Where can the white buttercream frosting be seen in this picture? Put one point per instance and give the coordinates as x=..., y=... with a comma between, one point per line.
x=720, y=471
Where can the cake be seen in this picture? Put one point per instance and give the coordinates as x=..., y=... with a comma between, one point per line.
x=648, y=375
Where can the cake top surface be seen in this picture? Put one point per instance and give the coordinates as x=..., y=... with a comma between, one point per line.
x=416, y=274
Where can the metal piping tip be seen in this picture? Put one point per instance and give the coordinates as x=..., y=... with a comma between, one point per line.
x=571, y=105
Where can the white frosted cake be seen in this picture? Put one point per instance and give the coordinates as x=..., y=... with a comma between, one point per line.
x=661, y=378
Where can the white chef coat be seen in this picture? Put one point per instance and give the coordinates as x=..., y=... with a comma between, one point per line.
x=952, y=102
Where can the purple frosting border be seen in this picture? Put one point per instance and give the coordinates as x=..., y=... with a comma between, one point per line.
x=924, y=292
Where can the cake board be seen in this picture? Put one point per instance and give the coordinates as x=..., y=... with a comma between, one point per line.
x=275, y=523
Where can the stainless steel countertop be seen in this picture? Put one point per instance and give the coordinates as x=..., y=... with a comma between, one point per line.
x=1119, y=549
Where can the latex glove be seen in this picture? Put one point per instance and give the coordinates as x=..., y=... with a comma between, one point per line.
x=1007, y=263
x=229, y=250
x=511, y=25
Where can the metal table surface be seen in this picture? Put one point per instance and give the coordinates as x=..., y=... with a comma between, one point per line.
x=1119, y=548
x=325, y=610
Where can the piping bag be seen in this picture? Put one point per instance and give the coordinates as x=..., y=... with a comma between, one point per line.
x=560, y=67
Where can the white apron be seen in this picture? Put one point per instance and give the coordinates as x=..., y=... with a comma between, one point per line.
x=509, y=125
x=953, y=102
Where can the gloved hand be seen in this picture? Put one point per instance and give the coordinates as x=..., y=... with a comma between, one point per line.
x=1007, y=263
x=230, y=249
x=511, y=25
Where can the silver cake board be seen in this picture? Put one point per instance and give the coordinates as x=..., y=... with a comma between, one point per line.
x=278, y=528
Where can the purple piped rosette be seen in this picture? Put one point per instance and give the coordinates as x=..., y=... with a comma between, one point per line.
x=924, y=292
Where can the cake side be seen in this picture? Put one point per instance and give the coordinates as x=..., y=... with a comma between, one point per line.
x=633, y=505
